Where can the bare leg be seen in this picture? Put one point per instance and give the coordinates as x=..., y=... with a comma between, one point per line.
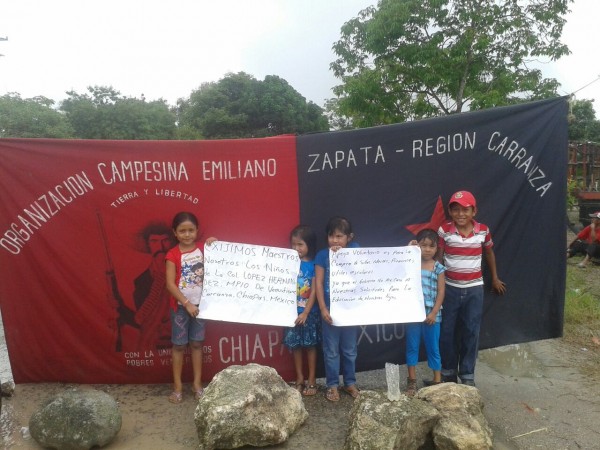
x=584, y=262
x=177, y=363
x=412, y=372
x=437, y=376
x=411, y=381
x=311, y=357
x=196, y=347
x=298, y=365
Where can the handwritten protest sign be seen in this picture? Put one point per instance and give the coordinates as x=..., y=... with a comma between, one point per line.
x=250, y=284
x=376, y=285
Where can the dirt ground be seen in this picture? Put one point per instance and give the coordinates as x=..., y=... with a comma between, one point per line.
x=536, y=395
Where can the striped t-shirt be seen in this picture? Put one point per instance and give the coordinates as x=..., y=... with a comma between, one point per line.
x=462, y=254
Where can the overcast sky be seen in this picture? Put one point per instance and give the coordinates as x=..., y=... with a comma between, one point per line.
x=167, y=49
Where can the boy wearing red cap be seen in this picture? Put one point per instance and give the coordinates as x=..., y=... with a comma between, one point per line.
x=463, y=242
x=587, y=241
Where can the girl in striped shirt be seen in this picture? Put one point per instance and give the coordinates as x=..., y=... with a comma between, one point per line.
x=433, y=283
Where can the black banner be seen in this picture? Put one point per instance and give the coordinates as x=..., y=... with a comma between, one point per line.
x=391, y=181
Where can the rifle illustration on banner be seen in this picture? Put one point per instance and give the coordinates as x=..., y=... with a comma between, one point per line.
x=113, y=294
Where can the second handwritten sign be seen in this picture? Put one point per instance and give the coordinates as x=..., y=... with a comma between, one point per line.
x=376, y=285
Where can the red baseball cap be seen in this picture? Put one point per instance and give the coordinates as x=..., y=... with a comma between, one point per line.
x=595, y=215
x=463, y=198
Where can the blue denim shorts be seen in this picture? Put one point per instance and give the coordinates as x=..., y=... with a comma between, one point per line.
x=185, y=328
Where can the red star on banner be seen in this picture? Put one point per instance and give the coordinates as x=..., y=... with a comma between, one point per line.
x=437, y=218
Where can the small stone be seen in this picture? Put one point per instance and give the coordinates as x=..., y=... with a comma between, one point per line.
x=392, y=376
x=25, y=433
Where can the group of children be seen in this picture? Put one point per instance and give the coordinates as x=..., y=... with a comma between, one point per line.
x=450, y=333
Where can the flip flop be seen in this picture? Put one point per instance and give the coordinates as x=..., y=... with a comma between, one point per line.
x=310, y=390
x=332, y=394
x=198, y=394
x=352, y=390
x=176, y=397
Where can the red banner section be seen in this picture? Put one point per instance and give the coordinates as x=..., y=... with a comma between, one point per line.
x=84, y=228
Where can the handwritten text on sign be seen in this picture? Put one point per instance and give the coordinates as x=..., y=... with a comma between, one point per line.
x=250, y=284
x=376, y=285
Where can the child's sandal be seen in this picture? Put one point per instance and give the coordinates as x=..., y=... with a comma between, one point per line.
x=411, y=387
x=332, y=394
x=352, y=391
x=176, y=397
x=198, y=393
x=310, y=390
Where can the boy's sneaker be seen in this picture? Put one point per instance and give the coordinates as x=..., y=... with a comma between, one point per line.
x=469, y=383
x=431, y=382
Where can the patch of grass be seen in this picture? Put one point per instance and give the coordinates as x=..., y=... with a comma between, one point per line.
x=582, y=305
x=582, y=315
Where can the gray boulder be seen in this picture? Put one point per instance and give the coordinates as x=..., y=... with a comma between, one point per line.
x=248, y=405
x=7, y=388
x=445, y=416
x=462, y=424
x=378, y=424
x=76, y=419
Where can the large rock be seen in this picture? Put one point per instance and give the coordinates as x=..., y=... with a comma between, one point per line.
x=76, y=419
x=7, y=388
x=248, y=405
x=462, y=424
x=379, y=424
x=446, y=416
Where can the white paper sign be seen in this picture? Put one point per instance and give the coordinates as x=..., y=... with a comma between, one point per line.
x=250, y=284
x=376, y=285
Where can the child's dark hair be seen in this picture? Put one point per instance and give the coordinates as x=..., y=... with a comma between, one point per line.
x=307, y=234
x=184, y=216
x=427, y=233
x=338, y=223
x=197, y=266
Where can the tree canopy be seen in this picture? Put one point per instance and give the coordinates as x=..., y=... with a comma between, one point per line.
x=240, y=106
x=411, y=59
x=583, y=125
x=103, y=113
x=236, y=106
x=31, y=118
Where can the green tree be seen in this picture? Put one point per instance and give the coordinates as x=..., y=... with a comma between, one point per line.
x=103, y=113
x=240, y=106
x=583, y=126
x=410, y=59
x=31, y=118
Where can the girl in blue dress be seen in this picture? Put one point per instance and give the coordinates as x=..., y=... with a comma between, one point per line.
x=306, y=333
